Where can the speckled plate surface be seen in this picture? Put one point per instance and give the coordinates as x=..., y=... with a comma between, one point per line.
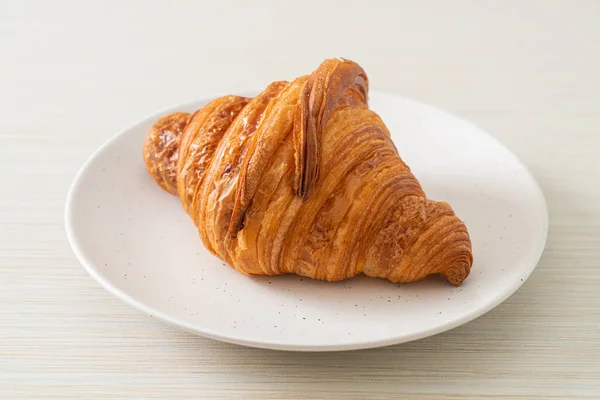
x=139, y=244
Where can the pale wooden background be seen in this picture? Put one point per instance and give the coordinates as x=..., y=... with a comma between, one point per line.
x=72, y=74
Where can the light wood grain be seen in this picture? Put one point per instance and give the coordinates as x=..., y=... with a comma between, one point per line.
x=73, y=73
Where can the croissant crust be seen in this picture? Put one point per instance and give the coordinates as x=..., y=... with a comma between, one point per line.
x=304, y=178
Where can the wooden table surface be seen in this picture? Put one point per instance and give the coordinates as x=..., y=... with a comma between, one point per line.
x=73, y=73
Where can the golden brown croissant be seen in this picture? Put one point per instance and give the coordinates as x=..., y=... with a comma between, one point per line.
x=305, y=179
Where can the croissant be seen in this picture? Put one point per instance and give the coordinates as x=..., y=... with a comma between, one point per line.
x=304, y=178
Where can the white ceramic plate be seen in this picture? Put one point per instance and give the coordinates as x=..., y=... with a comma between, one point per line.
x=137, y=241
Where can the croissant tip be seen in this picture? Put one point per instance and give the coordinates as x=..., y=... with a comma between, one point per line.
x=457, y=275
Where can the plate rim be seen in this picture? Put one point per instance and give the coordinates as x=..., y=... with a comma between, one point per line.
x=240, y=340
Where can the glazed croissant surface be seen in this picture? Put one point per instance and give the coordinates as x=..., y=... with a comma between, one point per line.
x=305, y=179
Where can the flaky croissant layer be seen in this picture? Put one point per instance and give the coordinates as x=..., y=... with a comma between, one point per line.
x=305, y=179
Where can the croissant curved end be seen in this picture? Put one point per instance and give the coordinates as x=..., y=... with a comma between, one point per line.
x=161, y=149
